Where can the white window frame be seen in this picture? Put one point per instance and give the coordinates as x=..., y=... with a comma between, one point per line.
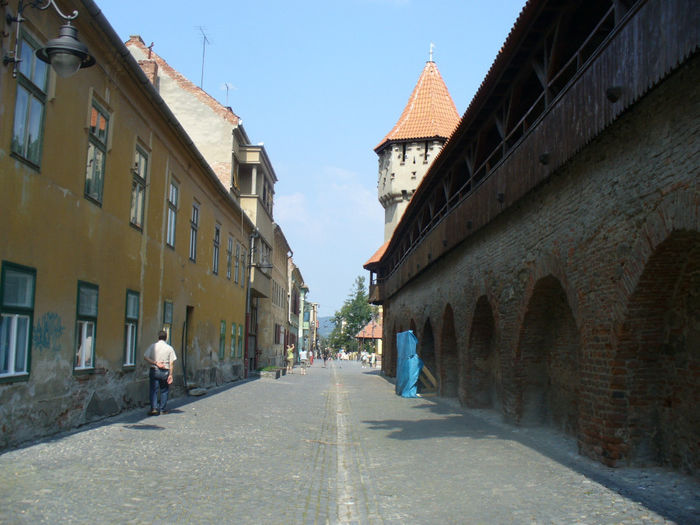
x=16, y=320
x=30, y=103
x=216, y=249
x=229, y=257
x=168, y=318
x=85, y=327
x=173, y=197
x=237, y=263
x=131, y=327
x=138, y=188
x=97, y=153
x=194, y=227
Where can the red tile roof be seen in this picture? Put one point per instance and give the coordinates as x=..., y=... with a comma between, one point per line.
x=430, y=111
x=372, y=330
x=377, y=255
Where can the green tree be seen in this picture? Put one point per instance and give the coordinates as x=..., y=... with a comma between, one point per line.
x=355, y=313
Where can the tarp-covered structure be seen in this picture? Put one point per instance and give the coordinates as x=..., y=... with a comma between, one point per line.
x=408, y=365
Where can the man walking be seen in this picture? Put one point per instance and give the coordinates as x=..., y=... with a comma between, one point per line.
x=162, y=358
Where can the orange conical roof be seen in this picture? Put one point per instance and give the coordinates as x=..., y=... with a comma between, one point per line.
x=430, y=111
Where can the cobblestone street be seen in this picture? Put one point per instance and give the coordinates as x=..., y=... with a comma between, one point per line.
x=334, y=446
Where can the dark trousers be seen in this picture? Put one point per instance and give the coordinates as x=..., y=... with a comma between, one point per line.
x=158, y=380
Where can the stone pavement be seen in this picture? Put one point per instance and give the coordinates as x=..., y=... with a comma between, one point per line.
x=334, y=446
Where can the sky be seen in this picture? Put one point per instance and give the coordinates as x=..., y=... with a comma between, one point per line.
x=320, y=83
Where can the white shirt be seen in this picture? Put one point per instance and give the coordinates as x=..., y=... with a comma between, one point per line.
x=302, y=355
x=161, y=351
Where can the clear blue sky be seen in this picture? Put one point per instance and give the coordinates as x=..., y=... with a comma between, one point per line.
x=320, y=82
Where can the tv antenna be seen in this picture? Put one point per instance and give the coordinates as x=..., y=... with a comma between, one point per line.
x=205, y=41
x=227, y=86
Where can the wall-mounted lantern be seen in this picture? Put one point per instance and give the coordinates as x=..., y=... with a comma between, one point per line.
x=65, y=53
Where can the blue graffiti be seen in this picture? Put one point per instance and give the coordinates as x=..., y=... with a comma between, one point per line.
x=48, y=331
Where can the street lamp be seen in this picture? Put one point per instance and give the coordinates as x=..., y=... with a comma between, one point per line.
x=255, y=234
x=65, y=53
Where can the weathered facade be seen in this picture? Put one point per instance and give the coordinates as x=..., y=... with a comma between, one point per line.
x=114, y=227
x=549, y=262
x=246, y=170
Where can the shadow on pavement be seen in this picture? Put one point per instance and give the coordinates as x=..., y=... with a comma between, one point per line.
x=649, y=487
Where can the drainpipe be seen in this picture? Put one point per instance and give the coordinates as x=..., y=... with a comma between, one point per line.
x=253, y=235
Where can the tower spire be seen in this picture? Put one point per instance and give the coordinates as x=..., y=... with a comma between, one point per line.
x=432, y=46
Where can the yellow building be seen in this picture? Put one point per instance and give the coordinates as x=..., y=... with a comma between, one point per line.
x=113, y=227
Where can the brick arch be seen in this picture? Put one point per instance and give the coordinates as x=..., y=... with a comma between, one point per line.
x=545, y=266
x=547, y=360
x=677, y=213
x=449, y=362
x=389, y=357
x=480, y=362
x=655, y=386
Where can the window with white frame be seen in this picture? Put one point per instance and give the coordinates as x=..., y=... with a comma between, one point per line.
x=173, y=196
x=138, y=187
x=27, y=130
x=244, y=263
x=217, y=243
x=131, y=327
x=86, y=325
x=167, y=318
x=233, y=339
x=194, y=226
x=237, y=263
x=240, y=340
x=229, y=257
x=97, y=152
x=16, y=314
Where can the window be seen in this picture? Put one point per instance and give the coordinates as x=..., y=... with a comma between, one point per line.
x=138, y=187
x=233, y=339
x=194, y=226
x=16, y=316
x=27, y=130
x=217, y=239
x=240, y=340
x=168, y=318
x=229, y=256
x=97, y=152
x=131, y=327
x=278, y=333
x=222, y=340
x=237, y=263
x=86, y=326
x=243, y=267
x=172, y=213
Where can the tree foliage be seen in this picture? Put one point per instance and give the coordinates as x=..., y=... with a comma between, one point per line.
x=355, y=313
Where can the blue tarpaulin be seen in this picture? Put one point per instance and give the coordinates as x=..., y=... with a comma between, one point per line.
x=408, y=365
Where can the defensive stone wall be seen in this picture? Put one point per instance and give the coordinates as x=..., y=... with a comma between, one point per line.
x=578, y=307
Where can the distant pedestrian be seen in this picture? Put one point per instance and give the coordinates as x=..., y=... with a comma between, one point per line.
x=304, y=361
x=290, y=359
x=311, y=357
x=373, y=360
x=162, y=358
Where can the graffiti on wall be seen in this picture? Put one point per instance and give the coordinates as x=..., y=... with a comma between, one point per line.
x=48, y=331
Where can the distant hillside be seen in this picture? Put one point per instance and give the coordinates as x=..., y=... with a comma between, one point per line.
x=325, y=326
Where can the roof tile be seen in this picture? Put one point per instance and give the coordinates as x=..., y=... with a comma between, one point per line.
x=430, y=111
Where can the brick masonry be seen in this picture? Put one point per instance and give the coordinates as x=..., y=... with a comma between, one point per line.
x=578, y=307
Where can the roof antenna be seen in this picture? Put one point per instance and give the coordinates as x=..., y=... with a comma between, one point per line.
x=432, y=46
x=227, y=86
x=205, y=41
